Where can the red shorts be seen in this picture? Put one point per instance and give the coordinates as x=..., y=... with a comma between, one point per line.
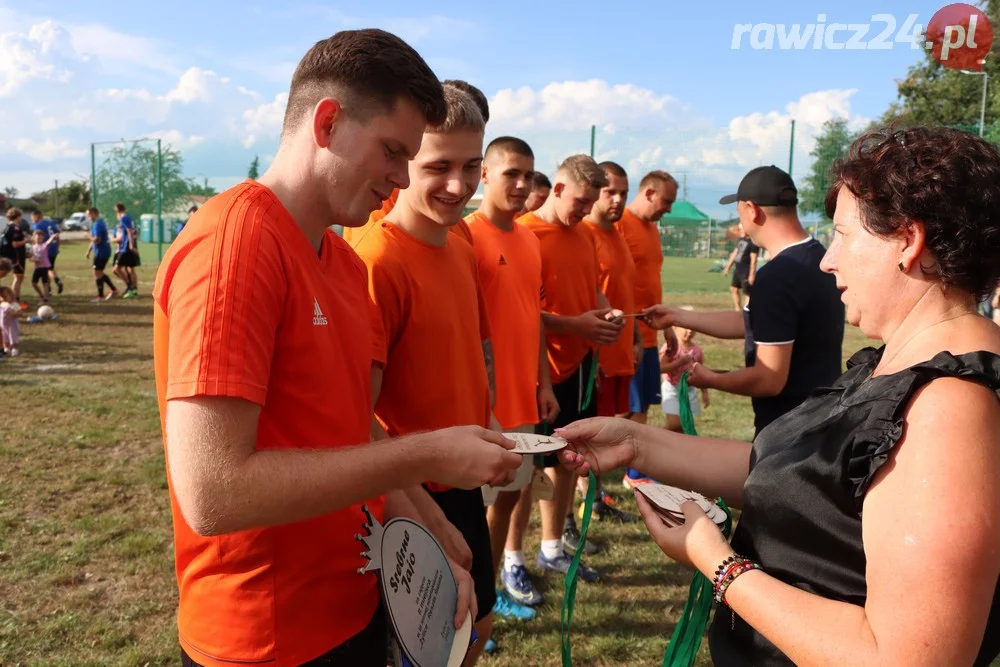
x=612, y=398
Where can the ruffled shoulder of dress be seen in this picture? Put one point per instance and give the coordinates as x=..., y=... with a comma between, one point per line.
x=873, y=442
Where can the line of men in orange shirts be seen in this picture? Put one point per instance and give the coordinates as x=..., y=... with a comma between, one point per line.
x=555, y=285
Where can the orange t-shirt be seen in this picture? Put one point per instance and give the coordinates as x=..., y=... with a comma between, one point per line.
x=569, y=287
x=643, y=240
x=510, y=272
x=616, y=273
x=429, y=299
x=244, y=307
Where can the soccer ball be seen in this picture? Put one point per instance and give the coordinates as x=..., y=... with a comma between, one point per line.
x=46, y=312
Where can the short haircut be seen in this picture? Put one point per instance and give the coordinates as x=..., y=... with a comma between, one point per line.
x=540, y=180
x=93, y=211
x=5, y=266
x=613, y=168
x=36, y=212
x=369, y=70
x=477, y=96
x=582, y=170
x=14, y=213
x=6, y=291
x=658, y=177
x=193, y=209
x=120, y=207
x=781, y=211
x=503, y=145
x=463, y=114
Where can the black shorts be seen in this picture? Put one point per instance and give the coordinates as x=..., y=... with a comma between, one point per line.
x=570, y=394
x=741, y=281
x=40, y=274
x=127, y=258
x=18, y=258
x=100, y=263
x=466, y=511
x=365, y=649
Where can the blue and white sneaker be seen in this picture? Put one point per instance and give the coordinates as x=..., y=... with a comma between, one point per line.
x=491, y=646
x=504, y=607
x=561, y=565
x=518, y=586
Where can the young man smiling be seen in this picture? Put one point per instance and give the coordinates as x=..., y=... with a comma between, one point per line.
x=423, y=279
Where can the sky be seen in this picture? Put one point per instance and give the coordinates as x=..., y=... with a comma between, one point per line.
x=668, y=85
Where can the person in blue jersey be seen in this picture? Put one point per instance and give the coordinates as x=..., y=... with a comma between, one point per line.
x=127, y=254
x=100, y=250
x=39, y=223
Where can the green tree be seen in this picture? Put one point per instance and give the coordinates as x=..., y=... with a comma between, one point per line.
x=254, y=170
x=831, y=144
x=11, y=192
x=127, y=174
x=932, y=94
x=204, y=189
x=69, y=197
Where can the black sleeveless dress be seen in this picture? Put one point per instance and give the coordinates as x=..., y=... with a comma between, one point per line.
x=809, y=472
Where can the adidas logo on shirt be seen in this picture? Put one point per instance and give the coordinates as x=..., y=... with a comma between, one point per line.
x=503, y=262
x=319, y=320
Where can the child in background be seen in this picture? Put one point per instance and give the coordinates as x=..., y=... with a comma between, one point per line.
x=5, y=267
x=673, y=367
x=10, y=326
x=40, y=256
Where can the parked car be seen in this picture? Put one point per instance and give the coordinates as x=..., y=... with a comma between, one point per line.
x=76, y=222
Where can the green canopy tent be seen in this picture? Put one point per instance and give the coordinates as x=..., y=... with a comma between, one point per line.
x=688, y=232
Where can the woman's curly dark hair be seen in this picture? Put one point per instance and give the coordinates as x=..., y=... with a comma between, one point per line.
x=947, y=179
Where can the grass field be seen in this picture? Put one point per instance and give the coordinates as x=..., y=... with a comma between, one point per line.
x=85, y=538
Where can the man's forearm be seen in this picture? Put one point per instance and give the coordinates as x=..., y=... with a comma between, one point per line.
x=727, y=325
x=559, y=324
x=752, y=381
x=273, y=487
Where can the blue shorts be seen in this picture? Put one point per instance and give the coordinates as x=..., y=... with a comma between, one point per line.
x=645, y=388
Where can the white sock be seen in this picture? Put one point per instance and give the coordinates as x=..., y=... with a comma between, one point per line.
x=512, y=559
x=552, y=548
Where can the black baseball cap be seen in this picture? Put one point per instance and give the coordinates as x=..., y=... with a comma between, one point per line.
x=765, y=186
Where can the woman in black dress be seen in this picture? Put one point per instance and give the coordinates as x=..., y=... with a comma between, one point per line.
x=870, y=532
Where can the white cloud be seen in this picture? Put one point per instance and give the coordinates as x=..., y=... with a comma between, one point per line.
x=644, y=130
x=265, y=118
x=576, y=105
x=49, y=149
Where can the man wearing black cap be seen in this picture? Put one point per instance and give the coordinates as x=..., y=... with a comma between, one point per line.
x=793, y=325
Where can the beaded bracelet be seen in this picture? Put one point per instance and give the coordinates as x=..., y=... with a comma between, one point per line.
x=727, y=572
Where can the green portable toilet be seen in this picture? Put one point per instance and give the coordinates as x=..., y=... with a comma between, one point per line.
x=146, y=228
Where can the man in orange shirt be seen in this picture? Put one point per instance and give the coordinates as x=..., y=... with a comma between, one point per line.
x=424, y=282
x=461, y=228
x=509, y=262
x=576, y=316
x=266, y=473
x=639, y=225
x=541, y=186
x=616, y=274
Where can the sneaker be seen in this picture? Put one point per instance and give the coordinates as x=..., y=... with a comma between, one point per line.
x=129, y=294
x=634, y=482
x=517, y=585
x=100, y=299
x=571, y=541
x=112, y=294
x=561, y=565
x=59, y=287
x=604, y=512
x=491, y=646
x=14, y=352
x=24, y=305
x=507, y=608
